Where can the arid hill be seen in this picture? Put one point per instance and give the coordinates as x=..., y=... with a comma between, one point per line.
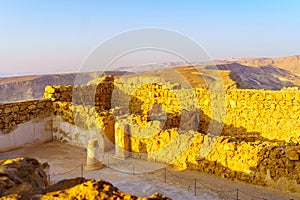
x=290, y=63
x=263, y=77
x=227, y=74
x=19, y=88
x=253, y=73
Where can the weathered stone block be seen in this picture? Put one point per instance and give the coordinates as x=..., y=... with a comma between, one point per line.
x=292, y=153
x=32, y=107
x=7, y=110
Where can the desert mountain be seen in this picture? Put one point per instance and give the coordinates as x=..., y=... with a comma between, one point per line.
x=252, y=73
x=261, y=77
x=290, y=63
x=32, y=87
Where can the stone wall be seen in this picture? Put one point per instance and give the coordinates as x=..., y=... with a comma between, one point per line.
x=259, y=130
x=77, y=124
x=258, y=140
x=16, y=113
x=91, y=95
x=247, y=113
x=83, y=112
x=25, y=122
x=273, y=115
x=265, y=163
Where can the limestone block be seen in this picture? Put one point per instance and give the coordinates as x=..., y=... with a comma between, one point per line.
x=32, y=107
x=7, y=110
x=292, y=153
x=49, y=89
x=15, y=108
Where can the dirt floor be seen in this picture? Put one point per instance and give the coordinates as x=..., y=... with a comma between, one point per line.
x=141, y=177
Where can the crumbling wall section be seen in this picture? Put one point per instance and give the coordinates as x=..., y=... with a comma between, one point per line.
x=258, y=142
x=268, y=163
x=83, y=112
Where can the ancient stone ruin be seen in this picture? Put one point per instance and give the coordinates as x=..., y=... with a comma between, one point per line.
x=255, y=138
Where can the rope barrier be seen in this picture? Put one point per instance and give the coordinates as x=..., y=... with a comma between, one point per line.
x=180, y=177
x=258, y=190
x=217, y=190
x=214, y=189
x=185, y=188
x=66, y=171
x=196, y=182
x=201, y=183
x=252, y=195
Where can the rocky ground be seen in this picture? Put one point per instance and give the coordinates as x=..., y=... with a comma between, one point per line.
x=25, y=178
x=21, y=175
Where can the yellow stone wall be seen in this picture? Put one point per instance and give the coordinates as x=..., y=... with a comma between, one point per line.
x=273, y=115
x=258, y=142
x=90, y=95
x=260, y=162
x=86, y=106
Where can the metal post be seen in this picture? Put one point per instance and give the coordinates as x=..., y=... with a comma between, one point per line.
x=81, y=171
x=237, y=194
x=195, y=187
x=165, y=174
x=49, y=178
x=107, y=159
x=133, y=169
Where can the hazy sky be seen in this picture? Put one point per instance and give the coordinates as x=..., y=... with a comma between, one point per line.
x=57, y=35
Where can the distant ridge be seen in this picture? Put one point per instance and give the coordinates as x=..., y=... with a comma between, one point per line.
x=246, y=73
x=17, y=88
x=290, y=63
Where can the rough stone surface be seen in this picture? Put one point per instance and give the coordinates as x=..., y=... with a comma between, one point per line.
x=293, y=153
x=249, y=113
x=80, y=188
x=21, y=175
x=92, y=189
x=259, y=141
x=259, y=133
x=21, y=112
x=24, y=178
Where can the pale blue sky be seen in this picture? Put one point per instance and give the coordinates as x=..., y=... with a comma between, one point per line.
x=55, y=35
